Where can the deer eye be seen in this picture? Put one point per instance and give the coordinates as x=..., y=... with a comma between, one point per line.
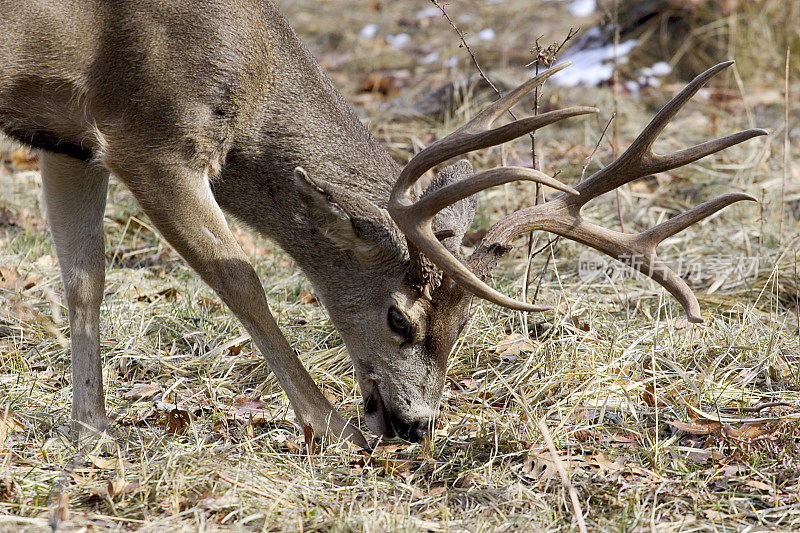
x=399, y=324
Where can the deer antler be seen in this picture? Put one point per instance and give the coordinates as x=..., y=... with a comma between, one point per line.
x=415, y=219
x=562, y=215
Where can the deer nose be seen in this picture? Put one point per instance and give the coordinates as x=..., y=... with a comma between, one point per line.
x=413, y=431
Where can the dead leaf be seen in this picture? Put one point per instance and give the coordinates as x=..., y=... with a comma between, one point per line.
x=253, y=410
x=713, y=514
x=235, y=350
x=8, y=424
x=307, y=297
x=143, y=391
x=103, y=463
x=11, y=279
x=437, y=491
x=8, y=489
x=466, y=481
x=758, y=485
x=308, y=437
x=170, y=293
x=542, y=465
x=120, y=485
x=378, y=83
x=177, y=421
x=707, y=427
x=606, y=464
x=469, y=385
x=649, y=396
x=748, y=433
x=22, y=159
x=514, y=344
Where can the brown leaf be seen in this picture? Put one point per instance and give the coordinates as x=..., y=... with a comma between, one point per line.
x=103, y=463
x=177, y=421
x=307, y=297
x=708, y=427
x=466, y=481
x=606, y=464
x=170, y=293
x=207, y=302
x=713, y=514
x=469, y=385
x=253, y=410
x=649, y=397
x=378, y=83
x=437, y=491
x=542, y=465
x=9, y=278
x=758, y=485
x=143, y=391
x=8, y=424
x=8, y=489
x=22, y=159
x=310, y=441
x=120, y=485
x=749, y=432
x=514, y=344
x=235, y=350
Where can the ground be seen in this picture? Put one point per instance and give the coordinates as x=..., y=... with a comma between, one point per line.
x=659, y=424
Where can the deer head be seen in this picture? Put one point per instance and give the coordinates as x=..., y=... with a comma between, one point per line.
x=400, y=341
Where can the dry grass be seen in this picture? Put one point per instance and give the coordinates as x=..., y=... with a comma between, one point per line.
x=661, y=424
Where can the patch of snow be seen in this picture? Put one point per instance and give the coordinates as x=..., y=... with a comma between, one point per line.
x=369, y=31
x=487, y=35
x=398, y=41
x=632, y=87
x=582, y=8
x=428, y=12
x=661, y=68
x=433, y=57
x=593, y=66
x=451, y=61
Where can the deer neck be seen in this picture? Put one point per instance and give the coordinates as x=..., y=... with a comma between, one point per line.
x=302, y=121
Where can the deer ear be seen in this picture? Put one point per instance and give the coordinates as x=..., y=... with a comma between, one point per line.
x=453, y=221
x=351, y=221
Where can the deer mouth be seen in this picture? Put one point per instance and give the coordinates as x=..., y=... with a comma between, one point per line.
x=387, y=425
x=376, y=415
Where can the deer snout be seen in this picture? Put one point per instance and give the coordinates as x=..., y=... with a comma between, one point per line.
x=386, y=423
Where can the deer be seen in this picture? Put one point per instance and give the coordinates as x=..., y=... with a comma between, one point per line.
x=209, y=107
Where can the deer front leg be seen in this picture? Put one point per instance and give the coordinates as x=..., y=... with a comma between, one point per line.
x=75, y=199
x=182, y=207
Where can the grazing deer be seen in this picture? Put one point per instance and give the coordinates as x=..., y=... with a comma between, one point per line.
x=210, y=106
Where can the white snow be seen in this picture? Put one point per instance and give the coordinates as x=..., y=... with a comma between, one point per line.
x=369, y=31
x=428, y=12
x=398, y=41
x=593, y=66
x=487, y=35
x=582, y=8
x=433, y=57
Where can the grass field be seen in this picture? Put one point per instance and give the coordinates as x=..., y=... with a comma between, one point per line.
x=659, y=424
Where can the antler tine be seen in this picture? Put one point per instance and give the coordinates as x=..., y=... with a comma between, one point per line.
x=657, y=234
x=476, y=134
x=636, y=250
x=639, y=159
x=414, y=219
x=488, y=115
x=450, y=194
x=563, y=215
